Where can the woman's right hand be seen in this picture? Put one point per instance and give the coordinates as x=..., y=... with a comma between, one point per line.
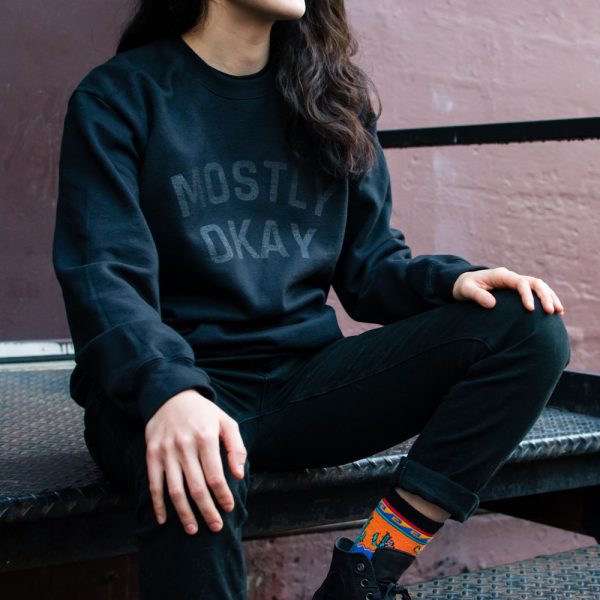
x=183, y=439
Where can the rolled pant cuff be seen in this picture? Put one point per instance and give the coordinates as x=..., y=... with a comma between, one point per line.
x=435, y=487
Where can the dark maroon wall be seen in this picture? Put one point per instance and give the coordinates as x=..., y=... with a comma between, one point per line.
x=46, y=48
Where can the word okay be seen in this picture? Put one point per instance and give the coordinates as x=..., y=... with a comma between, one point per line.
x=223, y=244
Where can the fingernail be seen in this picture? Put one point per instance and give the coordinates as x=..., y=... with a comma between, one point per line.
x=215, y=526
x=190, y=528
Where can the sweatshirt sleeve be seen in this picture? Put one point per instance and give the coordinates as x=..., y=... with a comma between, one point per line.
x=106, y=262
x=377, y=279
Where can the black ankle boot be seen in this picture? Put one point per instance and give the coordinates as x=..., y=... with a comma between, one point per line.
x=352, y=576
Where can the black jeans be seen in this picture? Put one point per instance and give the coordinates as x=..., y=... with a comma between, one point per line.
x=470, y=381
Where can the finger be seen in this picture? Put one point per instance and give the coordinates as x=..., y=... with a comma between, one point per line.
x=557, y=302
x=156, y=484
x=234, y=445
x=212, y=466
x=199, y=491
x=178, y=495
x=503, y=277
x=524, y=289
x=542, y=289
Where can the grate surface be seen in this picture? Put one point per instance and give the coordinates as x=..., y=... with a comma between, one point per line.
x=46, y=470
x=574, y=574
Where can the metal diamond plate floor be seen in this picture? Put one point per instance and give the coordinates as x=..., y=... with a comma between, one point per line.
x=574, y=574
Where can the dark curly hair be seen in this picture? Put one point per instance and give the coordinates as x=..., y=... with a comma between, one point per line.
x=320, y=84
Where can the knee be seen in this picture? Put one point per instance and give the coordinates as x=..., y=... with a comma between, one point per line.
x=540, y=332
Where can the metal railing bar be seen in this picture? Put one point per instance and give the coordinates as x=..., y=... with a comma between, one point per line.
x=583, y=128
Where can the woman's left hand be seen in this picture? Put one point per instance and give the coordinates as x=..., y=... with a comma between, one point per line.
x=475, y=285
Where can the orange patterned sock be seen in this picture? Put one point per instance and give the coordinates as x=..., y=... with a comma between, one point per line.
x=397, y=525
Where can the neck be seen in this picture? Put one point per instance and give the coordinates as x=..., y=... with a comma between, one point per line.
x=231, y=38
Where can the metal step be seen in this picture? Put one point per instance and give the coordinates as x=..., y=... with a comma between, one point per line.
x=574, y=574
x=46, y=470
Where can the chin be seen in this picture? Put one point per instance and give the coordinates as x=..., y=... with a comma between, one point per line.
x=281, y=10
x=295, y=9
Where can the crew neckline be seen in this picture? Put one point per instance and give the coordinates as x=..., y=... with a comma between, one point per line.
x=253, y=85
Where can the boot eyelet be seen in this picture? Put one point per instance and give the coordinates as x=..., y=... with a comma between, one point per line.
x=364, y=583
x=360, y=567
x=369, y=596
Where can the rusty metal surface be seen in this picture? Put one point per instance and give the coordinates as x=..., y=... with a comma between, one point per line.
x=46, y=471
x=574, y=574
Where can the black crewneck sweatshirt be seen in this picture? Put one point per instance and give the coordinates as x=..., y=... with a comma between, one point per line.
x=185, y=228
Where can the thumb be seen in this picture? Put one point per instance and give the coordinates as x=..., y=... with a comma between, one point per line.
x=483, y=297
x=234, y=446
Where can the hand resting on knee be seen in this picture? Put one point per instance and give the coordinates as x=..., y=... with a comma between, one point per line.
x=183, y=440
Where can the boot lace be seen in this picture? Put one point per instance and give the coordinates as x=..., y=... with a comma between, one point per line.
x=393, y=589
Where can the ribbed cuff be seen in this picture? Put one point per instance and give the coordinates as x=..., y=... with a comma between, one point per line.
x=159, y=380
x=435, y=487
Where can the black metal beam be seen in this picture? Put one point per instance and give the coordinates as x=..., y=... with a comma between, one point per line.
x=85, y=537
x=583, y=128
